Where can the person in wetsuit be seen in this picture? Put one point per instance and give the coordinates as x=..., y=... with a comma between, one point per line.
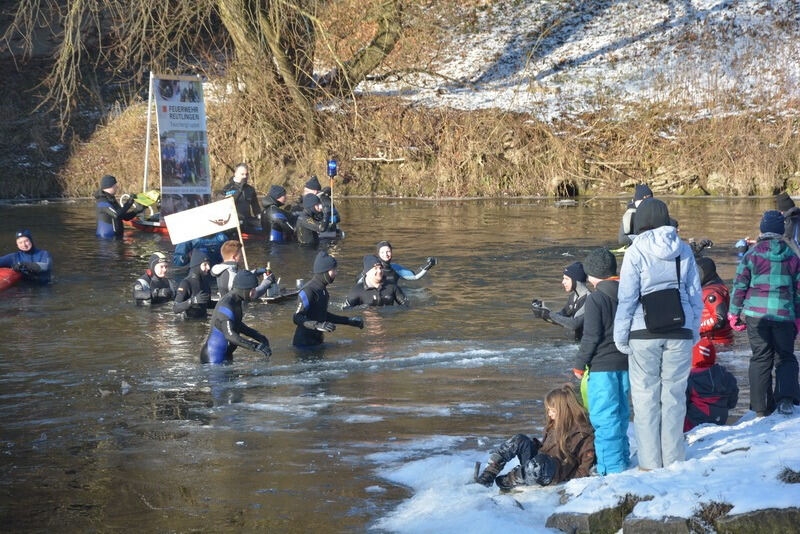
x=225, y=334
x=312, y=316
x=226, y=271
x=35, y=265
x=311, y=222
x=372, y=290
x=194, y=294
x=153, y=287
x=279, y=220
x=626, y=228
x=109, y=213
x=313, y=187
x=246, y=199
x=571, y=315
x=393, y=272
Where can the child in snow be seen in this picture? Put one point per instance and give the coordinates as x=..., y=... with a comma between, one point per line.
x=711, y=390
x=567, y=451
x=608, y=384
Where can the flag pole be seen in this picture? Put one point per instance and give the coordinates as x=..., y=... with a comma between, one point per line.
x=241, y=239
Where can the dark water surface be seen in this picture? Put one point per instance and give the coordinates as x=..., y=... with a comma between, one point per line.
x=109, y=422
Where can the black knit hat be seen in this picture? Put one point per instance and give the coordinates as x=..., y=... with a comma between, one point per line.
x=575, y=271
x=772, y=222
x=323, y=262
x=313, y=183
x=310, y=200
x=600, y=263
x=276, y=191
x=651, y=213
x=784, y=202
x=370, y=261
x=707, y=269
x=642, y=191
x=245, y=279
x=107, y=181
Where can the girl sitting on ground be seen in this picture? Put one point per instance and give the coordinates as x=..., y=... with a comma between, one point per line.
x=567, y=451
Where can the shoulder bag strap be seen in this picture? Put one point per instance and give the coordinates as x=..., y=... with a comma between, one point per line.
x=678, y=269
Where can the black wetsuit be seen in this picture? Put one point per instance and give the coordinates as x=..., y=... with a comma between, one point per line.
x=390, y=276
x=279, y=220
x=312, y=308
x=226, y=329
x=196, y=284
x=150, y=289
x=384, y=295
x=247, y=206
x=571, y=315
x=309, y=225
x=110, y=214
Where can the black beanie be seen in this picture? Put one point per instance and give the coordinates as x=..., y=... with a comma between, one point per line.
x=370, y=261
x=245, y=279
x=772, y=221
x=707, y=269
x=784, y=202
x=107, y=181
x=310, y=200
x=198, y=257
x=323, y=262
x=313, y=183
x=641, y=191
x=276, y=191
x=651, y=213
x=600, y=263
x=575, y=271
x=155, y=259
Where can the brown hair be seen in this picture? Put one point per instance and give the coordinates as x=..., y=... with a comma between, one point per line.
x=229, y=249
x=569, y=415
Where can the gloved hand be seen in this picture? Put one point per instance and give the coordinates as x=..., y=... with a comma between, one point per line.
x=736, y=322
x=326, y=191
x=264, y=349
x=18, y=267
x=537, y=308
x=706, y=243
x=431, y=261
x=325, y=326
x=163, y=292
x=201, y=298
x=358, y=322
x=540, y=469
x=624, y=348
x=578, y=373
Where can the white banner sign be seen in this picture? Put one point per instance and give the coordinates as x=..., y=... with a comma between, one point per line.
x=183, y=143
x=202, y=221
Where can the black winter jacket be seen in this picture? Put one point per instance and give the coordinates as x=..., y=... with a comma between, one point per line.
x=597, y=349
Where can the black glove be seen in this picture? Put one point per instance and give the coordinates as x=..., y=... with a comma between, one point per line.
x=18, y=267
x=201, y=298
x=358, y=322
x=538, y=309
x=431, y=262
x=163, y=292
x=540, y=469
x=325, y=191
x=325, y=326
x=264, y=349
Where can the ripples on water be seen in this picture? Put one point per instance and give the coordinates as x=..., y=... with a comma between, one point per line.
x=109, y=421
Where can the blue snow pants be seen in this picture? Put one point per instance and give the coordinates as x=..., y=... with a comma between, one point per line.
x=609, y=413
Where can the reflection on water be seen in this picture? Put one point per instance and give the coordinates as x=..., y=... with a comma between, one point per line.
x=109, y=421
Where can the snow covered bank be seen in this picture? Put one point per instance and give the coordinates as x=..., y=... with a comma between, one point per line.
x=556, y=58
x=739, y=465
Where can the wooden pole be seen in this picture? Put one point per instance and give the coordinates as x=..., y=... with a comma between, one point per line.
x=147, y=137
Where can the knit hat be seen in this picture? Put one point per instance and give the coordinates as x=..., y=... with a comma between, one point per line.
x=245, y=279
x=772, y=222
x=575, y=271
x=323, y=262
x=704, y=354
x=600, y=263
x=276, y=191
x=155, y=259
x=651, y=213
x=641, y=191
x=313, y=183
x=107, y=181
x=784, y=202
x=707, y=269
x=198, y=257
x=370, y=261
x=310, y=200
x=24, y=233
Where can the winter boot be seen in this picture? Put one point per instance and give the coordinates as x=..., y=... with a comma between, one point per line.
x=785, y=406
x=510, y=480
x=488, y=475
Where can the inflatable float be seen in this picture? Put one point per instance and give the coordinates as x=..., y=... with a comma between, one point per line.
x=8, y=278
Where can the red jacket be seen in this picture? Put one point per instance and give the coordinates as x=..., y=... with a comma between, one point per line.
x=714, y=324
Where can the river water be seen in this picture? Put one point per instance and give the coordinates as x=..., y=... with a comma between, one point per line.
x=109, y=422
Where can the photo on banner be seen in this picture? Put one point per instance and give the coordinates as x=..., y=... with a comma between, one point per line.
x=183, y=143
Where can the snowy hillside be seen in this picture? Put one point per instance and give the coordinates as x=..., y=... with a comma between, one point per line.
x=556, y=58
